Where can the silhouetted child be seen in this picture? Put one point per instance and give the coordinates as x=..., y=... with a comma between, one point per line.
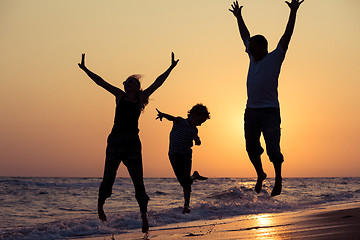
x=182, y=135
x=123, y=143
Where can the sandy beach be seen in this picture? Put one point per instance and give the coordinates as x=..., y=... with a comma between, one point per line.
x=327, y=223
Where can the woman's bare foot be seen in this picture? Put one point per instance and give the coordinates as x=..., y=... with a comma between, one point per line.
x=186, y=209
x=259, y=182
x=277, y=187
x=145, y=223
x=101, y=213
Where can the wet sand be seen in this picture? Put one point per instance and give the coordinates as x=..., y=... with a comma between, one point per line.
x=328, y=223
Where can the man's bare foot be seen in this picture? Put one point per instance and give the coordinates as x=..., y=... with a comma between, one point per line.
x=277, y=187
x=145, y=223
x=101, y=213
x=186, y=209
x=197, y=176
x=259, y=182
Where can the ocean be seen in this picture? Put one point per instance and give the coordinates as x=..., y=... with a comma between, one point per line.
x=65, y=208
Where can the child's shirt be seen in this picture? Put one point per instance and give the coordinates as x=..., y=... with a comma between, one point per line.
x=181, y=136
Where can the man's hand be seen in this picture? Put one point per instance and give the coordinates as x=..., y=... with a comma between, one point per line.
x=285, y=39
x=236, y=10
x=82, y=64
x=294, y=5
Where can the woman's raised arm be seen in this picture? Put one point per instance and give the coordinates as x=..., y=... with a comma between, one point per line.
x=98, y=80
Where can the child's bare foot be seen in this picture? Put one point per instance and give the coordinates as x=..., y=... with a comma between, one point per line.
x=101, y=213
x=197, y=176
x=145, y=223
x=277, y=187
x=259, y=182
x=186, y=209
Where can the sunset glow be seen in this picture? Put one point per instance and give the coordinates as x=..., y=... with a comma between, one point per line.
x=55, y=120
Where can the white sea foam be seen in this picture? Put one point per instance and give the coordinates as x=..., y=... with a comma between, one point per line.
x=57, y=208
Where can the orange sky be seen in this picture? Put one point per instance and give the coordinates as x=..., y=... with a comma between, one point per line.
x=54, y=120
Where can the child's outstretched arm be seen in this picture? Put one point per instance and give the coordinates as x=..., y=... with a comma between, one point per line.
x=197, y=140
x=162, y=115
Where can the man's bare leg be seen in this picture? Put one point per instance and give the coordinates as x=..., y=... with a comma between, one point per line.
x=261, y=175
x=278, y=180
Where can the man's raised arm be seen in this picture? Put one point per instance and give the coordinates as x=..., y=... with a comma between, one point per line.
x=285, y=39
x=244, y=32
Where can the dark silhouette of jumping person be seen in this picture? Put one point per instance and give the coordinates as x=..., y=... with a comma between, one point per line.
x=123, y=143
x=262, y=114
x=183, y=133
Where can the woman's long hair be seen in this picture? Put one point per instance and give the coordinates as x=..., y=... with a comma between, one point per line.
x=136, y=78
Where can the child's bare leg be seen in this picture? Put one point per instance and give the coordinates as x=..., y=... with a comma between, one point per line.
x=197, y=176
x=187, y=193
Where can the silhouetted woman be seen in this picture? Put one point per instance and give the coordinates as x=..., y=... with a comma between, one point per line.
x=123, y=143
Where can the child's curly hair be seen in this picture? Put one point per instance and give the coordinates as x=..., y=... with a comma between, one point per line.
x=200, y=109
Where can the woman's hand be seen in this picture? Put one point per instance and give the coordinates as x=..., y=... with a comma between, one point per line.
x=294, y=4
x=82, y=64
x=173, y=61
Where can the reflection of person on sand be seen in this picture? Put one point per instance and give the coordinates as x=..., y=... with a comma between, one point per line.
x=123, y=142
x=262, y=112
x=182, y=135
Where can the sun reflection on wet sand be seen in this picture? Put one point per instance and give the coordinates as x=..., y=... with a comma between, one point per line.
x=265, y=227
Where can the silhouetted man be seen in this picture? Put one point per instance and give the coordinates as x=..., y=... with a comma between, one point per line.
x=262, y=114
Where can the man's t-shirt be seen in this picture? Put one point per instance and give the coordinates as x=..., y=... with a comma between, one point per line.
x=262, y=79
